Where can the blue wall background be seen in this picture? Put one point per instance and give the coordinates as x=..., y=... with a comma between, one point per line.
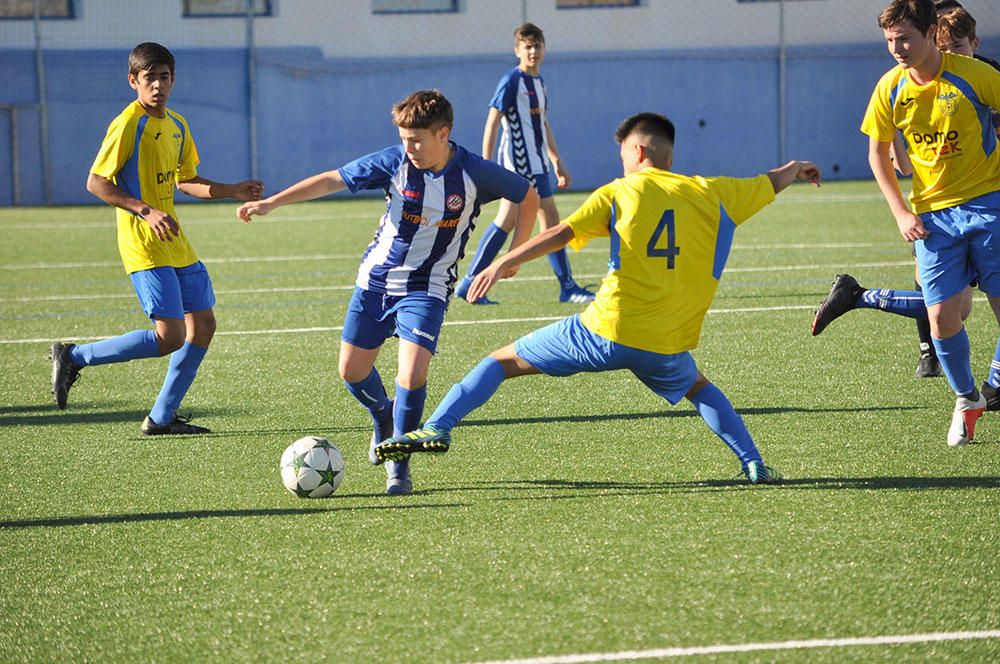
x=315, y=113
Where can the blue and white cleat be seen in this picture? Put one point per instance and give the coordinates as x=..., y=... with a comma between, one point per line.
x=576, y=294
x=427, y=439
x=757, y=473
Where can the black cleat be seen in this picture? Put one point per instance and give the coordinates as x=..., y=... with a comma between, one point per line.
x=928, y=366
x=992, y=395
x=65, y=372
x=842, y=298
x=427, y=439
x=178, y=426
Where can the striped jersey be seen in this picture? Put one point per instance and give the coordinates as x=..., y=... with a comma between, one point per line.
x=428, y=217
x=947, y=127
x=144, y=156
x=670, y=237
x=522, y=100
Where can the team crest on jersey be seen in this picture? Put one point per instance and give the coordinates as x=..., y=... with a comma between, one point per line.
x=948, y=101
x=455, y=203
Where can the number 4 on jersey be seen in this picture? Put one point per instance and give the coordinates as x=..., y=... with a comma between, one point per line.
x=671, y=250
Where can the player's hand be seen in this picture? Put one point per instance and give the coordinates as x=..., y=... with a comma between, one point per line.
x=563, y=179
x=253, y=208
x=911, y=227
x=248, y=190
x=483, y=282
x=808, y=172
x=163, y=224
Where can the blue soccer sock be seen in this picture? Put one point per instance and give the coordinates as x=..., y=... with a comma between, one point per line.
x=370, y=392
x=408, y=409
x=719, y=415
x=994, y=377
x=490, y=245
x=953, y=354
x=901, y=302
x=184, y=363
x=472, y=392
x=560, y=266
x=135, y=345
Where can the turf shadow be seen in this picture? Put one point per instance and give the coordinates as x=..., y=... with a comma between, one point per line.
x=99, y=519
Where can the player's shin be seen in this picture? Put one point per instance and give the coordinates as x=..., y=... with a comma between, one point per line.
x=722, y=418
x=472, y=392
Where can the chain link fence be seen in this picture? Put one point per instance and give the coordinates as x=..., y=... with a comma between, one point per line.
x=281, y=89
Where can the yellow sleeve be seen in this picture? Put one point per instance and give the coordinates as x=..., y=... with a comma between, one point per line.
x=117, y=147
x=742, y=197
x=591, y=219
x=187, y=168
x=878, y=122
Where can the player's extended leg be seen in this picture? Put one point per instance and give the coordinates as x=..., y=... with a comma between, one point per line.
x=846, y=294
x=490, y=244
x=470, y=393
x=189, y=340
x=569, y=290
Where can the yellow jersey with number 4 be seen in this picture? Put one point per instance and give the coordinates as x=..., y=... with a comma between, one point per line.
x=145, y=156
x=947, y=128
x=670, y=239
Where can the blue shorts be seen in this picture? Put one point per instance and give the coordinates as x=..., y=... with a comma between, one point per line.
x=567, y=347
x=373, y=317
x=963, y=245
x=542, y=183
x=171, y=292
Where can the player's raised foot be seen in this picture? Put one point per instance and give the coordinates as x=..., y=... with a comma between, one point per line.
x=842, y=298
x=757, y=473
x=381, y=429
x=928, y=366
x=992, y=395
x=427, y=439
x=576, y=294
x=963, y=419
x=398, y=481
x=65, y=372
x=180, y=425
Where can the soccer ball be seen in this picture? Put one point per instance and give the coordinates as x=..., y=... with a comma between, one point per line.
x=312, y=467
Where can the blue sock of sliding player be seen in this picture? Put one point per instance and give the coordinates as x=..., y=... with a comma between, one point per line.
x=472, y=392
x=722, y=418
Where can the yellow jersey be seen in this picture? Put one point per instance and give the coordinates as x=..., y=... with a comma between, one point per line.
x=670, y=239
x=145, y=156
x=947, y=127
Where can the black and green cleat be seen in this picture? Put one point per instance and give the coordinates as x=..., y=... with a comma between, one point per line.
x=427, y=439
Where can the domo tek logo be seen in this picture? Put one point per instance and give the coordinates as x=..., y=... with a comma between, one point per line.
x=940, y=142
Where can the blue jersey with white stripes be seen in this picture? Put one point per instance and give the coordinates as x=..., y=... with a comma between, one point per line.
x=523, y=102
x=428, y=217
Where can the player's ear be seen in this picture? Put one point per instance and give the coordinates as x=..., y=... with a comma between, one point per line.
x=132, y=82
x=975, y=44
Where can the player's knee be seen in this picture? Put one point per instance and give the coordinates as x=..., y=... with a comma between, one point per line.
x=170, y=339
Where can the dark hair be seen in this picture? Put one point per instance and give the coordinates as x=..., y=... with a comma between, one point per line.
x=653, y=124
x=147, y=55
x=921, y=13
x=529, y=32
x=424, y=109
x=945, y=5
x=955, y=24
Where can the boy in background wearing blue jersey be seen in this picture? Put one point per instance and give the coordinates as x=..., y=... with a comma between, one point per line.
x=670, y=238
x=147, y=149
x=941, y=102
x=434, y=190
x=527, y=144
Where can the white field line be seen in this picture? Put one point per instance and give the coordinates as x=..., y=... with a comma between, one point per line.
x=11, y=267
x=491, y=321
x=303, y=289
x=663, y=653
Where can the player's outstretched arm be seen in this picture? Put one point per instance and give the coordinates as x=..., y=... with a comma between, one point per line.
x=313, y=187
x=199, y=187
x=910, y=226
x=783, y=176
x=162, y=224
x=544, y=243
